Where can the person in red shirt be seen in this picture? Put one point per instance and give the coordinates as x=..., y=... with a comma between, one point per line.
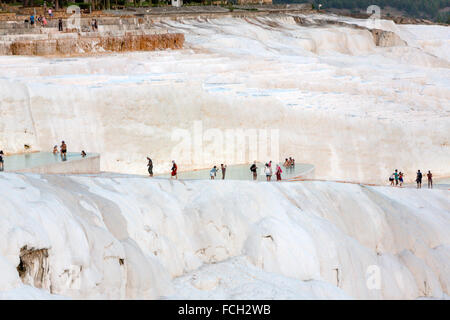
x=174, y=170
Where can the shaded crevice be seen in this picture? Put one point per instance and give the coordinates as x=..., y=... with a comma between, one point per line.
x=33, y=267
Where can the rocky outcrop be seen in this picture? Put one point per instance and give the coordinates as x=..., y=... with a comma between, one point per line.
x=79, y=44
x=384, y=38
x=33, y=267
x=381, y=38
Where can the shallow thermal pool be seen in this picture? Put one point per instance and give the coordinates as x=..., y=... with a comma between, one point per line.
x=37, y=159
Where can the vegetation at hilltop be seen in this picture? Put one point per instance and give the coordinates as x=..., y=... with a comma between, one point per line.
x=429, y=9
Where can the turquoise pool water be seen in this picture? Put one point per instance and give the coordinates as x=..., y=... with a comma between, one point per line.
x=242, y=172
x=37, y=159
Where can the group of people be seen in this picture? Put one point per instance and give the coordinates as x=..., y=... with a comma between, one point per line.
x=213, y=171
x=268, y=171
x=289, y=163
x=397, y=178
x=63, y=150
x=41, y=19
x=173, y=171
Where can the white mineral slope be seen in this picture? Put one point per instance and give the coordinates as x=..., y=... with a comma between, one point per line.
x=354, y=110
x=131, y=237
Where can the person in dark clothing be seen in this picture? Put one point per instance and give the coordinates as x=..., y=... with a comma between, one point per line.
x=253, y=169
x=430, y=179
x=83, y=154
x=419, y=179
x=150, y=167
x=63, y=151
x=224, y=170
x=60, y=25
x=1, y=160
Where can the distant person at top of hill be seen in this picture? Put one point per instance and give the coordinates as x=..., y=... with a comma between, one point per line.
x=150, y=166
x=419, y=179
x=63, y=149
x=1, y=160
x=430, y=179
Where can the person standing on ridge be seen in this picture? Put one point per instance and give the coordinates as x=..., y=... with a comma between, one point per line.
x=63, y=151
x=268, y=172
x=391, y=179
x=213, y=172
x=174, y=170
x=419, y=179
x=224, y=170
x=1, y=161
x=150, y=166
x=278, y=173
x=254, y=171
x=60, y=25
x=430, y=179
x=396, y=177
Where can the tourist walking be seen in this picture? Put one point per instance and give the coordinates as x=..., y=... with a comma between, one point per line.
x=278, y=173
x=419, y=179
x=60, y=25
x=430, y=179
x=50, y=13
x=268, y=172
x=83, y=154
x=63, y=151
x=396, y=177
x=253, y=169
x=32, y=20
x=400, y=178
x=286, y=163
x=150, y=166
x=1, y=161
x=391, y=179
x=224, y=170
x=213, y=172
x=174, y=170
x=55, y=149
